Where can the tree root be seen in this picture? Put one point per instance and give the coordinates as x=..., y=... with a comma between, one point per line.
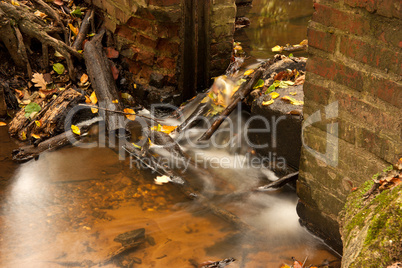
x=35, y=28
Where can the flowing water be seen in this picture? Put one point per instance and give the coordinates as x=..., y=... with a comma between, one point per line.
x=66, y=208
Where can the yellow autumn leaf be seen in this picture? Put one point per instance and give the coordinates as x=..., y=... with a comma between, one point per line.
x=73, y=29
x=168, y=129
x=293, y=93
x=266, y=103
x=274, y=95
x=221, y=100
x=93, y=98
x=94, y=110
x=3, y=124
x=15, y=3
x=293, y=101
x=38, y=123
x=136, y=146
x=84, y=78
x=277, y=49
x=75, y=129
x=131, y=114
x=115, y=101
x=248, y=72
x=87, y=99
x=35, y=136
x=205, y=100
x=23, y=135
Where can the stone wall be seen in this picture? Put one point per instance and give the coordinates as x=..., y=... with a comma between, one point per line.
x=173, y=47
x=355, y=59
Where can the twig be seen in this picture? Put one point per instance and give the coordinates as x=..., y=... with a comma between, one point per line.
x=279, y=183
x=86, y=23
x=119, y=112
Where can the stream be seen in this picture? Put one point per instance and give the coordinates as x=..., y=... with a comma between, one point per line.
x=66, y=208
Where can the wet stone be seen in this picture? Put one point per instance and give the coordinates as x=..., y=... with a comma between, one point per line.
x=130, y=237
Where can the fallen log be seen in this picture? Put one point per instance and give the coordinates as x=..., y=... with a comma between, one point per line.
x=84, y=29
x=244, y=90
x=30, y=152
x=103, y=83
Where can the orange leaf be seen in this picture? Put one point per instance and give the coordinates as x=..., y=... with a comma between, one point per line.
x=84, y=78
x=3, y=124
x=130, y=111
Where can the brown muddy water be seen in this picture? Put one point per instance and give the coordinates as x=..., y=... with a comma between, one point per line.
x=65, y=209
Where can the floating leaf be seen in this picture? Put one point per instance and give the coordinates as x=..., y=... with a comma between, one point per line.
x=266, y=103
x=39, y=81
x=160, y=180
x=248, y=72
x=93, y=98
x=58, y=68
x=274, y=95
x=2, y=124
x=84, y=78
x=76, y=12
x=115, y=101
x=131, y=114
x=75, y=129
x=33, y=107
x=260, y=83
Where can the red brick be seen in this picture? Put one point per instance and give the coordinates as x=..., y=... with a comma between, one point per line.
x=367, y=113
x=164, y=3
x=125, y=32
x=146, y=57
x=145, y=72
x=146, y=41
x=167, y=47
x=373, y=143
x=386, y=90
x=336, y=72
x=168, y=30
x=144, y=13
x=133, y=66
x=316, y=93
x=353, y=23
x=139, y=24
x=167, y=63
x=321, y=40
x=387, y=8
x=378, y=57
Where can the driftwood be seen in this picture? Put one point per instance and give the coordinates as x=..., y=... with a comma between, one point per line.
x=51, y=117
x=103, y=83
x=30, y=152
x=244, y=91
x=280, y=182
x=84, y=29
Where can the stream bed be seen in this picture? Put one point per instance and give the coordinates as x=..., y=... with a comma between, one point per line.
x=66, y=208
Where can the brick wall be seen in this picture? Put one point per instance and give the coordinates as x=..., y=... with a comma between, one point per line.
x=355, y=59
x=171, y=45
